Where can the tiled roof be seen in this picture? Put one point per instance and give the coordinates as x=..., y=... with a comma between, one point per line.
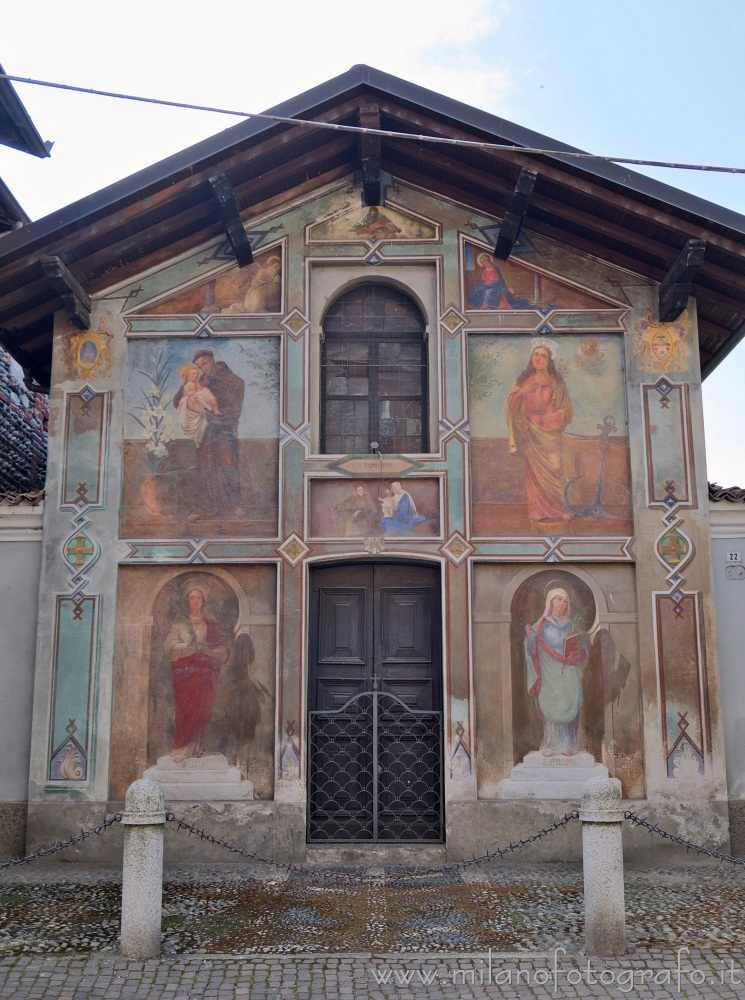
x=735, y=494
x=23, y=434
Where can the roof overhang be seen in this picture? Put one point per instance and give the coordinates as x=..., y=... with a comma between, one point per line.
x=595, y=207
x=16, y=128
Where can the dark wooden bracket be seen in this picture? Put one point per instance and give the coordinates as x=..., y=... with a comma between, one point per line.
x=372, y=186
x=76, y=300
x=514, y=217
x=676, y=288
x=227, y=205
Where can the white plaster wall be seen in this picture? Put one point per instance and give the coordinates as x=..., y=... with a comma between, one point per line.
x=20, y=565
x=728, y=540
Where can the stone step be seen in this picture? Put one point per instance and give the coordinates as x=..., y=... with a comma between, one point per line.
x=373, y=855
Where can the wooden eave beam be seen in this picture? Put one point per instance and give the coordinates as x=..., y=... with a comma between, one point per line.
x=514, y=217
x=77, y=235
x=557, y=234
x=199, y=219
x=550, y=206
x=227, y=207
x=372, y=188
x=675, y=290
x=158, y=255
x=549, y=171
x=75, y=299
x=315, y=161
x=39, y=341
x=711, y=338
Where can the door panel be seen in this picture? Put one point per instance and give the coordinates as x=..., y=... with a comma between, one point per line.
x=374, y=702
x=343, y=616
x=405, y=629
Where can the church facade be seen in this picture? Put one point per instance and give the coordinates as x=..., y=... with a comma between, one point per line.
x=357, y=533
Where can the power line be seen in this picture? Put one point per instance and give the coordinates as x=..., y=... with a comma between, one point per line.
x=384, y=133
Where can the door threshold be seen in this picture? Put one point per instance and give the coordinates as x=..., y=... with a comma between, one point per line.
x=417, y=854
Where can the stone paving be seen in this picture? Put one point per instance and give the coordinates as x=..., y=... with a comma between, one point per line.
x=489, y=931
x=653, y=974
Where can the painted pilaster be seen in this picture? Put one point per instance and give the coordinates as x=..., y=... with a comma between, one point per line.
x=683, y=740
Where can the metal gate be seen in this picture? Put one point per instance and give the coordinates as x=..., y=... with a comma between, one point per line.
x=377, y=772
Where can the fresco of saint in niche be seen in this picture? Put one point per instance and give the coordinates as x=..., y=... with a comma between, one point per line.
x=194, y=673
x=549, y=445
x=554, y=672
x=254, y=289
x=343, y=509
x=201, y=438
x=505, y=284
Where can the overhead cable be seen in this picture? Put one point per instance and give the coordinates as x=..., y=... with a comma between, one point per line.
x=384, y=133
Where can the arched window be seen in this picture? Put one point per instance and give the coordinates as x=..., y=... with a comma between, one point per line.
x=374, y=374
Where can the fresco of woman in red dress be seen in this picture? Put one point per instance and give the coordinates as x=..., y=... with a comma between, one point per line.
x=197, y=651
x=538, y=411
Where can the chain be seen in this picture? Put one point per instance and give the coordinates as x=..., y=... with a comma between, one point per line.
x=207, y=838
x=61, y=845
x=688, y=844
x=363, y=874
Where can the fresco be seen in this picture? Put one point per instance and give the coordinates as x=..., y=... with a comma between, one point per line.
x=494, y=285
x=201, y=438
x=566, y=670
x=254, y=289
x=361, y=508
x=195, y=669
x=555, y=657
x=549, y=441
x=88, y=353
x=659, y=346
x=380, y=224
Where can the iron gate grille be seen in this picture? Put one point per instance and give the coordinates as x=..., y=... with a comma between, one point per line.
x=375, y=772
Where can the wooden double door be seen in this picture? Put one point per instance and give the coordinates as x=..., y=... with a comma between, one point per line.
x=375, y=704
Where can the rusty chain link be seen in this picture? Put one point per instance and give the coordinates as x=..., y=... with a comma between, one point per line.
x=396, y=874
x=61, y=845
x=358, y=873
x=688, y=844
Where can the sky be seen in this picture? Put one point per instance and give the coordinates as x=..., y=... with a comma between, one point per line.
x=649, y=79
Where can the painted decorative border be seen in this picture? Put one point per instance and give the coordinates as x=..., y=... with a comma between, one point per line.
x=74, y=667
x=84, y=463
x=671, y=478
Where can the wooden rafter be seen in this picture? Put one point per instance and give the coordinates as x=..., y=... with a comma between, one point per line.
x=74, y=297
x=372, y=189
x=514, y=217
x=675, y=290
x=227, y=206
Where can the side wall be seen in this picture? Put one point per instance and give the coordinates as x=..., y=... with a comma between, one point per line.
x=728, y=555
x=20, y=563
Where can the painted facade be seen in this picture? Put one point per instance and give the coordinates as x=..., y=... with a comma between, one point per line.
x=561, y=498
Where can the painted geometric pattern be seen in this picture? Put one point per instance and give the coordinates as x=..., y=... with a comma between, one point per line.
x=293, y=550
x=456, y=548
x=453, y=321
x=295, y=323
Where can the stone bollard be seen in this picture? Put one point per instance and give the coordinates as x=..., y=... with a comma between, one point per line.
x=144, y=818
x=602, y=863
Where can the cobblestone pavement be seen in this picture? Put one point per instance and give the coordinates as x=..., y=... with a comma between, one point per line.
x=497, y=930
x=654, y=974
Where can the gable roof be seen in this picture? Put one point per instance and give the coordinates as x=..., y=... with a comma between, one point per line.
x=17, y=131
x=599, y=208
x=16, y=128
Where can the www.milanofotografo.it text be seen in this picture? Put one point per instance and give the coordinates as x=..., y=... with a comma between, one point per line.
x=558, y=972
